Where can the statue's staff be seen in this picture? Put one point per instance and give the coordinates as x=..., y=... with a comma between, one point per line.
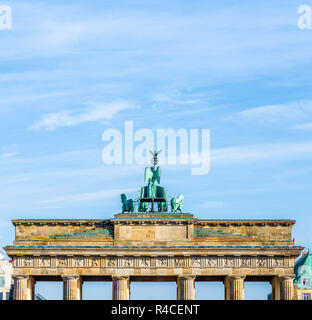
x=155, y=160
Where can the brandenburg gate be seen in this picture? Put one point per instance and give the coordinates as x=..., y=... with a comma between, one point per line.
x=153, y=245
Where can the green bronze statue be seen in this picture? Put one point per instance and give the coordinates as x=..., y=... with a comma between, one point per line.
x=142, y=206
x=127, y=204
x=177, y=203
x=152, y=192
x=152, y=175
x=162, y=206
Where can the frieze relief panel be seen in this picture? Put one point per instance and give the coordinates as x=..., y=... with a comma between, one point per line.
x=77, y=262
x=161, y=262
x=94, y=262
x=144, y=262
x=210, y=262
x=112, y=262
x=195, y=262
x=28, y=262
x=179, y=262
x=245, y=262
x=42, y=262
x=62, y=262
x=151, y=262
x=127, y=262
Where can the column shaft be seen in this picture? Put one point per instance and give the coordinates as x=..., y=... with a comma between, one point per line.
x=276, y=288
x=287, y=287
x=121, y=288
x=226, y=283
x=72, y=287
x=24, y=287
x=186, y=287
x=234, y=287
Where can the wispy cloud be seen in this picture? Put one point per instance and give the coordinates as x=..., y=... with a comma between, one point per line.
x=294, y=111
x=303, y=126
x=99, y=195
x=181, y=100
x=9, y=155
x=261, y=152
x=68, y=118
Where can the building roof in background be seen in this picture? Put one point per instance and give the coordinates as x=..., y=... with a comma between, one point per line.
x=303, y=271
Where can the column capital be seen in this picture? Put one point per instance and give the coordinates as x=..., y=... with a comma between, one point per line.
x=236, y=276
x=120, y=277
x=70, y=276
x=287, y=276
x=20, y=276
x=186, y=277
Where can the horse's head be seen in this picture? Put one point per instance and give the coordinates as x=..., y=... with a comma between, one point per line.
x=180, y=197
x=123, y=197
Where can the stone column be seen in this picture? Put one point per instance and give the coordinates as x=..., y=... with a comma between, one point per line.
x=31, y=288
x=24, y=287
x=234, y=287
x=287, y=287
x=276, y=288
x=121, y=287
x=72, y=287
x=186, y=287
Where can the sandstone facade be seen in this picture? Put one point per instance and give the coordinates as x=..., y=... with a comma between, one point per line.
x=154, y=247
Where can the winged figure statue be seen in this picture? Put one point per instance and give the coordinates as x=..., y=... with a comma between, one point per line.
x=152, y=175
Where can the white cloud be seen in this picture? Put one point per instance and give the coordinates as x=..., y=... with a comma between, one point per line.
x=294, y=111
x=9, y=155
x=60, y=34
x=68, y=118
x=179, y=100
x=252, y=153
x=81, y=28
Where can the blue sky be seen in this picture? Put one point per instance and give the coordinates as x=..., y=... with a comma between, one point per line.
x=70, y=71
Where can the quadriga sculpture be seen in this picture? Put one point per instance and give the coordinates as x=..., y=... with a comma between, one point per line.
x=177, y=203
x=142, y=206
x=162, y=207
x=127, y=204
